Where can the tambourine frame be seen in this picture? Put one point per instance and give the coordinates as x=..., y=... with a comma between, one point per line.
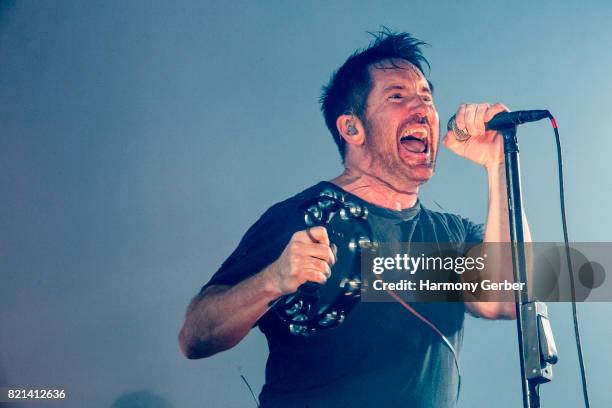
x=314, y=307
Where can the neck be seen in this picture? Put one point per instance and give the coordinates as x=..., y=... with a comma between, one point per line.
x=375, y=190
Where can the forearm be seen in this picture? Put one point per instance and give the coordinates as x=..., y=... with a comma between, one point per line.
x=497, y=230
x=497, y=227
x=221, y=316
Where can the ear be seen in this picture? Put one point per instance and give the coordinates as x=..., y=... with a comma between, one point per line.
x=351, y=129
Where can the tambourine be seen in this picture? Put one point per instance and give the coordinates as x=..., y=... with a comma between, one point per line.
x=314, y=307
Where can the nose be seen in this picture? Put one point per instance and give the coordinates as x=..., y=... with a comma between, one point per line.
x=420, y=117
x=423, y=110
x=421, y=106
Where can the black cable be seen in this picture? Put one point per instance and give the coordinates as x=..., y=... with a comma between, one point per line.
x=250, y=389
x=585, y=392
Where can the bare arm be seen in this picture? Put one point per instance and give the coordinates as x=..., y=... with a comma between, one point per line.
x=221, y=316
x=485, y=147
x=497, y=229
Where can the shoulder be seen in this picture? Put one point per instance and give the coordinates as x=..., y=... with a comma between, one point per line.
x=282, y=219
x=265, y=239
x=298, y=199
x=292, y=206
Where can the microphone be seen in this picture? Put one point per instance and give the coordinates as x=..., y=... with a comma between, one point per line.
x=501, y=121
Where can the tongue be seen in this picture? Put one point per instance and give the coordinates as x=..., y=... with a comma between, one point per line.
x=414, y=145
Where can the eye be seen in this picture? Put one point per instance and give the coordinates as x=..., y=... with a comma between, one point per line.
x=396, y=96
x=427, y=98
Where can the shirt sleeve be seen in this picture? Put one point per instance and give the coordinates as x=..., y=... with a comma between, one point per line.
x=473, y=232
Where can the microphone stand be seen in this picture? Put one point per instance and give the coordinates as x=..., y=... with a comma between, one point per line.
x=537, y=350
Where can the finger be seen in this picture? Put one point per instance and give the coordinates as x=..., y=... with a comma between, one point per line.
x=494, y=110
x=470, y=115
x=327, y=272
x=479, y=119
x=301, y=236
x=303, y=245
x=322, y=252
x=450, y=139
x=318, y=234
x=318, y=265
x=313, y=275
x=460, y=117
x=451, y=142
x=311, y=235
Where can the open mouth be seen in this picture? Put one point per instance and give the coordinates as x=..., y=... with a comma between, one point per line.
x=415, y=141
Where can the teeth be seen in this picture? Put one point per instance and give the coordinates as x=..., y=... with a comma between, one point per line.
x=419, y=134
x=412, y=136
x=422, y=138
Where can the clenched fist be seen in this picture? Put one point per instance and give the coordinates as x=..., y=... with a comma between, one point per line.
x=485, y=147
x=308, y=257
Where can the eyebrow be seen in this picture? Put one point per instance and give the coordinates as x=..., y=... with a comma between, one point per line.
x=394, y=87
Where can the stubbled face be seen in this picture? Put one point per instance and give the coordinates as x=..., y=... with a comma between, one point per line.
x=402, y=125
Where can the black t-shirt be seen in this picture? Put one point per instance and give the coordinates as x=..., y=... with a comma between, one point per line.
x=381, y=355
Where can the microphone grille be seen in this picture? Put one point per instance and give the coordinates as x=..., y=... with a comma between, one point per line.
x=460, y=135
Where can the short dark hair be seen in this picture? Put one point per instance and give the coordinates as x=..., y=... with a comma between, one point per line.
x=348, y=88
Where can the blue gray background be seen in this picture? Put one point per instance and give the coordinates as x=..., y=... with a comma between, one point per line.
x=139, y=140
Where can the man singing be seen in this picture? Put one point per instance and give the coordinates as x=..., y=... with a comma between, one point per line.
x=379, y=109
